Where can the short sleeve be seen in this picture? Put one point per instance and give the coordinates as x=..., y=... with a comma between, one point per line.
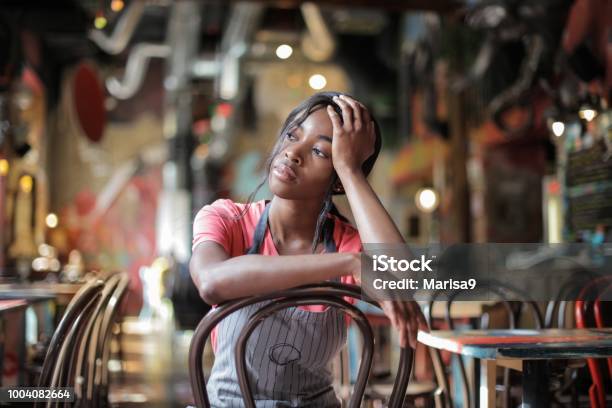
x=349, y=242
x=214, y=223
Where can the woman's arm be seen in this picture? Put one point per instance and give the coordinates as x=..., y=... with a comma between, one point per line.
x=353, y=143
x=219, y=277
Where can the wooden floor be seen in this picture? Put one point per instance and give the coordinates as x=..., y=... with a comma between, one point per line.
x=154, y=372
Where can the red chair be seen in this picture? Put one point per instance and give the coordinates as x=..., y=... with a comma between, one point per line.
x=586, y=316
x=330, y=294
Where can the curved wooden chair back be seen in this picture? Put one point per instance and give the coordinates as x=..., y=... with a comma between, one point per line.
x=88, y=343
x=557, y=310
x=503, y=293
x=330, y=294
x=73, y=318
x=99, y=385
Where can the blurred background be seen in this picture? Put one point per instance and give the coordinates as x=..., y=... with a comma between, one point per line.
x=120, y=119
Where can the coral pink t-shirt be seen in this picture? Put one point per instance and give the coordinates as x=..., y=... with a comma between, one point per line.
x=221, y=222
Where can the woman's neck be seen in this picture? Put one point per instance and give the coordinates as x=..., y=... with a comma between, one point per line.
x=293, y=222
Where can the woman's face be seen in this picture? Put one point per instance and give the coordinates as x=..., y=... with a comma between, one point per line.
x=303, y=167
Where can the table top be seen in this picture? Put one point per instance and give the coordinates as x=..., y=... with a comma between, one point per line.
x=62, y=293
x=42, y=287
x=522, y=344
x=12, y=305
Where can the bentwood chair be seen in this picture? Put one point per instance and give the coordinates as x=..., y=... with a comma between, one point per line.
x=592, y=310
x=329, y=294
x=99, y=380
x=78, y=312
x=503, y=292
x=90, y=364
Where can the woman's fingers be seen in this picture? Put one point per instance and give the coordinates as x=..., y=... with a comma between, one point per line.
x=407, y=318
x=422, y=322
x=335, y=119
x=347, y=114
x=358, y=123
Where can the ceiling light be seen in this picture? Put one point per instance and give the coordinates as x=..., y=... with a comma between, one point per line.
x=587, y=114
x=558, y=128
x=117, y=5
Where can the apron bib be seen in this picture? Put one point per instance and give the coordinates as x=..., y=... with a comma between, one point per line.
x=288, y=355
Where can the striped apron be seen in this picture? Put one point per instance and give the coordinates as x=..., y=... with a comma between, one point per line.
x=288, y=355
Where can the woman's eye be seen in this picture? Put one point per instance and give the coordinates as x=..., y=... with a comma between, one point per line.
x=290, y=136
x=319, y=152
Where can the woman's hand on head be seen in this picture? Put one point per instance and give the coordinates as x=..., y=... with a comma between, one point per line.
x=354, y=137
x=407, y=318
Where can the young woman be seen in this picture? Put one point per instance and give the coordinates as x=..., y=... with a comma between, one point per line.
x=327, y=146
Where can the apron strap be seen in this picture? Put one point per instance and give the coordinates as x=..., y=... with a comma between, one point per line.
x=262, y=226
x=260, y=231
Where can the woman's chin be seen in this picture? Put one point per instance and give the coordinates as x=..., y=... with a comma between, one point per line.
x=290, y=191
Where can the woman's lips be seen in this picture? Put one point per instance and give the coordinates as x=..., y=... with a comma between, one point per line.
x=284, y=173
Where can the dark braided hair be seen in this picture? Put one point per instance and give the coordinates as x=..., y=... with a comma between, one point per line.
x=295, y=118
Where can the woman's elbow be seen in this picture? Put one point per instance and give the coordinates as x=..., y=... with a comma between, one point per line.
x=207, y=287
x=209, y=291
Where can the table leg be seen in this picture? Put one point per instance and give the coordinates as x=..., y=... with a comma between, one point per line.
x=535, y=384
x=476, y=381
x=487, y=383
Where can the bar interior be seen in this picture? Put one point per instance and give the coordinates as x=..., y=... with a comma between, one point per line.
x=188, y=211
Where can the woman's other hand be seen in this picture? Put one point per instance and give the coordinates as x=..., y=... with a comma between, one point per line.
x=407, y=318
x=354, y=137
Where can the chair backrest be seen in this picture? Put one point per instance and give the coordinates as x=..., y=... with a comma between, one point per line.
x=85, y=362
x=503, y=292
x=74, y=318
x=99, y=379
x=556, y=309
x=330, y=294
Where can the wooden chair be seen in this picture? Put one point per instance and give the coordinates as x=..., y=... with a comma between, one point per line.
x=80, y=342
x=502, y=292
x=586, y=316
x=58, y=359
x=330, y=294
x=102, y=355
x=89, y=365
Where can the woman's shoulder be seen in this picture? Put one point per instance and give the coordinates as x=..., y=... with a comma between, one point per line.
x=346, y=235
x=228, y=208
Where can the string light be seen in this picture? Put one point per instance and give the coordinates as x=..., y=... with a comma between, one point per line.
x=284, y=51
x=317, y=81
x=26, y=182
x=51, y=220
x=426, y=199
x=4, y=167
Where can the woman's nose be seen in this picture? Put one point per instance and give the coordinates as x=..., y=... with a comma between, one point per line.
x=294, y=156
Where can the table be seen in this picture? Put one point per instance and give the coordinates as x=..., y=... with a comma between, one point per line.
x=63, y=292
x=526, y=350
x=11, y=306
